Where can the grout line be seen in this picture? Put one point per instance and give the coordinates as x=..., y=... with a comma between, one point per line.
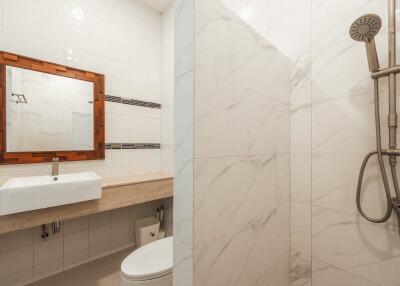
x=311, y=139
x=33, y=255
x=63, y=246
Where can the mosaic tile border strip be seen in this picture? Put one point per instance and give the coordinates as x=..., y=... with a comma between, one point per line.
x=120, y=146
x=130, y=101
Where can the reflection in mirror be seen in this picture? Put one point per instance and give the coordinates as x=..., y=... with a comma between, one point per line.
x=47, y=112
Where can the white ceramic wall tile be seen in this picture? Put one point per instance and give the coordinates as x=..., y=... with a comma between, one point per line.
x=26, y=257
x=17, y=239
x=121, y=39
x=167, y=94
x=99, y=219
x=119, y=214
x=15, y=261
x=76, y=248
x=75, y=225
x=18, y=278
x=48, y=250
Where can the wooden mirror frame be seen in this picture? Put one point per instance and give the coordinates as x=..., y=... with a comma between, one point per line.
x=8, y=59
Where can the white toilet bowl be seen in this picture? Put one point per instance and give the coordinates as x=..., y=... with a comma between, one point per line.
x=149, y=265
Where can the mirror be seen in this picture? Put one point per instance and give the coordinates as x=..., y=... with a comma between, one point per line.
x=48, y=110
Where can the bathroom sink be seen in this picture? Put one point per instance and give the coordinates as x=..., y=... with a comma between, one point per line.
x=38, y=192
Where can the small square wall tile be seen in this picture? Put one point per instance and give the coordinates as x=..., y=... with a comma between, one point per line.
x=16, y=239
x=18, y=278
x=75, y=225
x=16, y=260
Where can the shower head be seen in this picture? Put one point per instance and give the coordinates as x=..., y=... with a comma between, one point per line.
x=364, y=29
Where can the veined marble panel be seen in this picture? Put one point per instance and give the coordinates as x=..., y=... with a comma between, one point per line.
x=227, y=47
x=335, y=179
x=327, y=275
x=183, y=225
x=339, y=66
x=348, y=242
x=242, y=244
x=241, y=150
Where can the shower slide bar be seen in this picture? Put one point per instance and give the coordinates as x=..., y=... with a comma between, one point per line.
x=364, y=29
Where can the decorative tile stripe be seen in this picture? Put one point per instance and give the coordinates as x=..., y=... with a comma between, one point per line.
x=119, y=146
x=129, y=101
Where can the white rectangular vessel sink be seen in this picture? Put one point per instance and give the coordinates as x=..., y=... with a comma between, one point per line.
x=31, y=193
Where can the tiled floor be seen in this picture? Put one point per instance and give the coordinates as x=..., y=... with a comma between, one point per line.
x=101, y=272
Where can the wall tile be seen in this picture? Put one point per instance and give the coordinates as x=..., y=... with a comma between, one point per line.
x=82, y=34
x=99, y=235
x=18, y=278
x=76, y=248
x=48, y=250
x=75, y=225
x=17, y=239
x=99, y=250
x=17, y=260
x=119, y=214
x=99, y=219
x=48, y=268
x=119, y=228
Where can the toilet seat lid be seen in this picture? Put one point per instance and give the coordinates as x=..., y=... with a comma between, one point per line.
x=150, y=261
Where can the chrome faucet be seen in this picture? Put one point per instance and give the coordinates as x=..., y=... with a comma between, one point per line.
x=54, y=167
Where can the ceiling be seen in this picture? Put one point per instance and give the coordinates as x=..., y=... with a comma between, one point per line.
x=158, y=5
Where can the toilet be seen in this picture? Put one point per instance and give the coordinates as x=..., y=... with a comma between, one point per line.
x=149, y=265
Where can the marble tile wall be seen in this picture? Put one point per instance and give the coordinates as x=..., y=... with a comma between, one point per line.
x=332, y=127
x=232, y=151
x=25, y=257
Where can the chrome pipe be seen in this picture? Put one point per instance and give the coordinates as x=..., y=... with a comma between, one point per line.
x=385, y=72
x=392, y=118
x=379, y=152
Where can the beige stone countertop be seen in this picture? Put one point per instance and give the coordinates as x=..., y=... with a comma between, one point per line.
x=117, y=192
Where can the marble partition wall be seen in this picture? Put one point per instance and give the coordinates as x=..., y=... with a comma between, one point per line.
x=183, y=142
x=232, y=164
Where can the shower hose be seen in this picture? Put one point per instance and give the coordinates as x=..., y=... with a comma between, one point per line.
x=391, y=204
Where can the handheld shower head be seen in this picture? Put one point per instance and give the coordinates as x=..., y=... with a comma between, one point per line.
x=364, y=29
